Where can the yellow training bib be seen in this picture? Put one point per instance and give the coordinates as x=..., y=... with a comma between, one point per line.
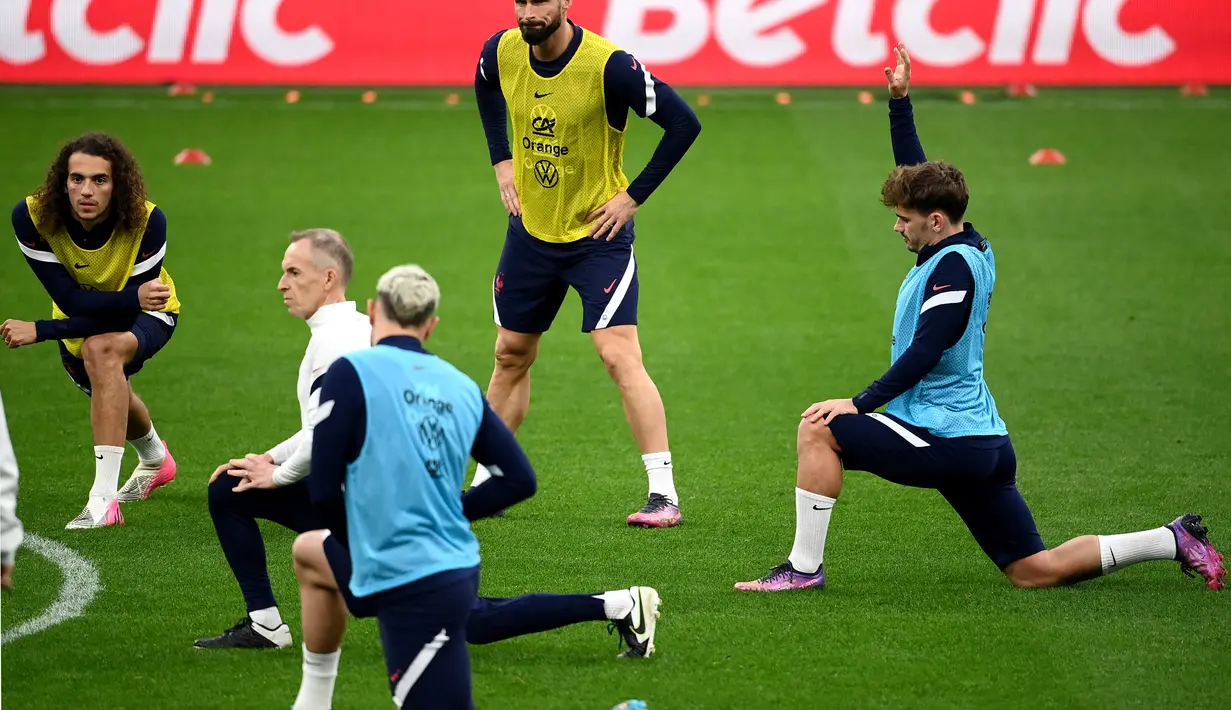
x=106, y=268
x=567, y=160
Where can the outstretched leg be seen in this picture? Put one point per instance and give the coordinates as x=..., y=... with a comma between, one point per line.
x=1184, y=539
x=632, y=611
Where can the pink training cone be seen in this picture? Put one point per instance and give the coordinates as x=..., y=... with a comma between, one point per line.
x=1048, y=156
x=192, y=156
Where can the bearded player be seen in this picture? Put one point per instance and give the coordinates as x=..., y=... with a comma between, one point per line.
x=567, y=93
x=97, y=245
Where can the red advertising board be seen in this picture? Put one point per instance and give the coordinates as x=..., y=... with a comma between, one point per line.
x=685, y=42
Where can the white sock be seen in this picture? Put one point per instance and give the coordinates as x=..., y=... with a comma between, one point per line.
x=812, y=512
x=106, y=478
x=320, y=670
x=658, y=466
x=149, y=448
x=1120, y=551
x=617, y=604
x=481, y=474
x=269, y=617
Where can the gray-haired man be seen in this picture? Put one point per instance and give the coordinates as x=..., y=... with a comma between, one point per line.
x=316, y=269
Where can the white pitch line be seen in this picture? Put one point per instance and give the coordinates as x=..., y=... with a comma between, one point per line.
x=80, y=587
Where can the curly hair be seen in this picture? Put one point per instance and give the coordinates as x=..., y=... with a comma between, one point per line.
x=934, y=186
x=127, y=196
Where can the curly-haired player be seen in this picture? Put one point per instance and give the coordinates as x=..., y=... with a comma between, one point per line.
x=97, y=245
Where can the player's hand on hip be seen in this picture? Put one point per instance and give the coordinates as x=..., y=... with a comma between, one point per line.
x=611, y=217
x=508, y=190
x=254, y=472
x=17, y=333
x=827, y=410
x=899, y=76
x=154, y=295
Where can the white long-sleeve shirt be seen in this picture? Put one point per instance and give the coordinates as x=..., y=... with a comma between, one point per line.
x=11, y=531
x=337, y=329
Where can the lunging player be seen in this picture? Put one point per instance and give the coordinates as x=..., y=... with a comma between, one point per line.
x=940, y=428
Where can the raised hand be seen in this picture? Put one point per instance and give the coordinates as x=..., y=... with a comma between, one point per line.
x=899, y=77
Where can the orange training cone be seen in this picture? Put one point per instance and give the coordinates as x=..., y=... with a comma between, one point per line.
x=1048, y=156
x=192, y=156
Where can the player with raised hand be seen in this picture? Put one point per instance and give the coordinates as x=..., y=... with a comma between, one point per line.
x=97, y=245
x=567, y=93
x=940, y=428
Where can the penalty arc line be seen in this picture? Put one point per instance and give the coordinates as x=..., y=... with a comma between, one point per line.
x=81, y=584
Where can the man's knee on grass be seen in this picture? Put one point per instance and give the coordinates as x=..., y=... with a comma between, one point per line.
x=1037, y=571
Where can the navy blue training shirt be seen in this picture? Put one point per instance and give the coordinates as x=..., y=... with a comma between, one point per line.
x=338, y=440
x=89, y=312
x=939, y=328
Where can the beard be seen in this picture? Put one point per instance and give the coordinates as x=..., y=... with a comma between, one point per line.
x=538, y=34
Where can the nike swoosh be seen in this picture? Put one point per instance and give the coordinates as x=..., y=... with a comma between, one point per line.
x=537, y=95
x=640, y=627
x=1113, y=556
x=937, y=288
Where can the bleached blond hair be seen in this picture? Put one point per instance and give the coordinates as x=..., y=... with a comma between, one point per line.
x=408, y=295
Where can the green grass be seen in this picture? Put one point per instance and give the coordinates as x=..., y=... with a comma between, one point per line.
x=768, y=278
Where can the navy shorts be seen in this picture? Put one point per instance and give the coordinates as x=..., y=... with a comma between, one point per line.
x=152, y=333
x=976, y=474
x=422, y=630
x=534, y=276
